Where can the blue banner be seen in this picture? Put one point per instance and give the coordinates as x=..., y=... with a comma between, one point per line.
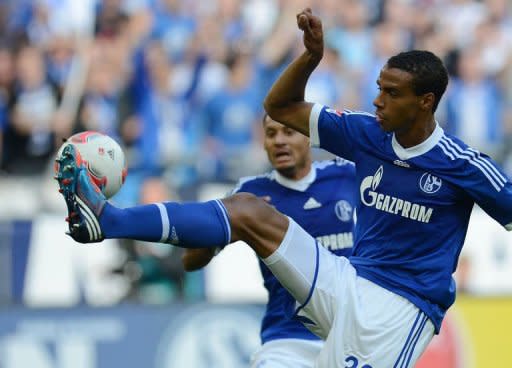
x=130, y=336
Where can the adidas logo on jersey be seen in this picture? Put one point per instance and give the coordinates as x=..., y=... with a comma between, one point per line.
x=312, y=203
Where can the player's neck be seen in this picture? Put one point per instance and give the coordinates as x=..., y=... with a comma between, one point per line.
x=296, y=174
x=416, y=134
x=301, y=184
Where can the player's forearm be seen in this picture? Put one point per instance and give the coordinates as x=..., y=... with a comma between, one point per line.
x=195, y=259
x=285, y=100
x=290, y=86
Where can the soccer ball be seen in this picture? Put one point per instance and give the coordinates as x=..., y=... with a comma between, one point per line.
x=103, y=157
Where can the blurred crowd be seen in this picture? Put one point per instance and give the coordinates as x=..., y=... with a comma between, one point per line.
x=180, y=83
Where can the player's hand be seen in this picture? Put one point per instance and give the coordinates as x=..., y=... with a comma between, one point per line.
x=313, y=37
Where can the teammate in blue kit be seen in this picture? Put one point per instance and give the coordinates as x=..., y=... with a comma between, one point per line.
x=320, y=197
x=417, y=186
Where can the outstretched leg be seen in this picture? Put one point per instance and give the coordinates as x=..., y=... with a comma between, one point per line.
x=289, y=252
x=190, y=225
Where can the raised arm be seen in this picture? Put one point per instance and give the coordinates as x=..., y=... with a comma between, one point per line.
x=285, y=100
x=196, y=258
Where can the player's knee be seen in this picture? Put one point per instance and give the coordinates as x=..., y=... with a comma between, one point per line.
x=246, y=208
x=248, y=212
x=255, y=222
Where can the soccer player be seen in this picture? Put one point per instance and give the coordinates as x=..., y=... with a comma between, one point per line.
x=417, y=186
x=320, y=197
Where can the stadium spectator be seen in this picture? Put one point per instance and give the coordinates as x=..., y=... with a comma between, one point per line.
x=389, y=39
x=31, y=139
x=230, y=119
x=174, y=26
x=277, y=48
x=326, y=86
x=164, y=112
x=101, y=100
x=478, y=124
x=60, y=53
x=458, y=20
x=110, y=19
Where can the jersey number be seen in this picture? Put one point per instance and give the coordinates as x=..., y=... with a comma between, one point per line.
x=354, y=362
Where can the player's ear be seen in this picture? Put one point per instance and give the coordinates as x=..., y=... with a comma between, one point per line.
x=427, y=101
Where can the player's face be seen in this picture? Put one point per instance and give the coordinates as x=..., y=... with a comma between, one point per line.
x=397, y=106
x=287, y=150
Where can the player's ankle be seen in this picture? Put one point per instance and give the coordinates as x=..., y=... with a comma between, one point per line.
x=109, y=219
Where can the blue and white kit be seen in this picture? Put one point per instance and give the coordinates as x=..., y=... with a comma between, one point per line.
x=382, y=307
x=323, y=203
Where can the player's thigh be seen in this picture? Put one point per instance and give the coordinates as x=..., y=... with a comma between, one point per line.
x=311, y=274
x=287, y=353
x=375, y=328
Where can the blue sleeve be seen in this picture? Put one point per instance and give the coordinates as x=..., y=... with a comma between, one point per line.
x=339, y=132
x=488, y=186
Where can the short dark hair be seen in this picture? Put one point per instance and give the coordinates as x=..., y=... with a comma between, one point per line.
x=428, y=71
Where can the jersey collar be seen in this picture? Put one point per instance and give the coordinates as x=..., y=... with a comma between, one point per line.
x=300, y=185
x=423, y=147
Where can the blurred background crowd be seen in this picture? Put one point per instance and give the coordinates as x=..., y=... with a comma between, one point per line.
x=180, y=84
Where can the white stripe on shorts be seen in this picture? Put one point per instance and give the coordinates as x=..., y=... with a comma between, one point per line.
x=406, y=354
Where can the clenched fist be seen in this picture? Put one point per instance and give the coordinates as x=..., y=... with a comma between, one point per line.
x=313, y=37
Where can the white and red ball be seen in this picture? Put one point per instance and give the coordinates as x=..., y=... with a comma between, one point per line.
x=103, y=157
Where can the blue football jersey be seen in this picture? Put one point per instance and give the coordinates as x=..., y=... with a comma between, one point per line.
x=414, y=204
x=322, y=203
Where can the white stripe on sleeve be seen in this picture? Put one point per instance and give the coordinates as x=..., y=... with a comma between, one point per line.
x=313, y=125
x=165, y=222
